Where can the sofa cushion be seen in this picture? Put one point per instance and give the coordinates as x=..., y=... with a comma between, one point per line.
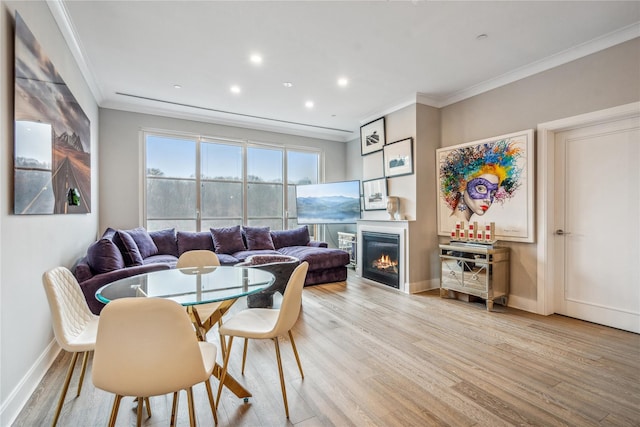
x=146, y=245
x=258, y=238
x=242, y=255
x=104, y=256
x=227, y=240
x=226, y=259
x=161, y=258
x=296, y=237
x=165, y=241
x=193, y=241
x=130, y=252
x=318, y=258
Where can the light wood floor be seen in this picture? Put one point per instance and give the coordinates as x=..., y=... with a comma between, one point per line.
x=376, y=357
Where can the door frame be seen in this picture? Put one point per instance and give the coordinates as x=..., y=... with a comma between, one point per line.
x=545, y=192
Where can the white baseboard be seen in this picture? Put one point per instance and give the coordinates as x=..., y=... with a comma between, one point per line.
x=19, y=396
x=526, y=304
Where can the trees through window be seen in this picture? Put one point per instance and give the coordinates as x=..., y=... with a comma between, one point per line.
x=194, y=183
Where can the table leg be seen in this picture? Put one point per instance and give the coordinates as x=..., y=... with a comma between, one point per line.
x=202, y=327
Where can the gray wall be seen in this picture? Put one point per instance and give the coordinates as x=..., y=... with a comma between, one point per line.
x=32, y=244
x=602, y=80
x=121, y=154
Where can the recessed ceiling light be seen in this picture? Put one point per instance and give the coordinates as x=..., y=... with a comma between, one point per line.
x=177, y=87
x=481, y=36
x=308, y=104
x=343, y=81
x=235, y=89
x=287, y=84
x=256, y=58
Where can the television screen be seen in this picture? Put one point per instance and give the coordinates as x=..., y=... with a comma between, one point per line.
x=329, y=203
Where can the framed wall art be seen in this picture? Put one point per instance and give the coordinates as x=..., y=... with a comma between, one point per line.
x=398, y=158
x=52, y=160
x=375, y=194
x=489, y=180
x=372, y=136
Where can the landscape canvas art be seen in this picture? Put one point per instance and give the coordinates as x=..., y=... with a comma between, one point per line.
x=486, y=181
x=52, y=160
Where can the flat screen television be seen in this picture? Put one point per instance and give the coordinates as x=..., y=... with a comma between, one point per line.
x=328, y=203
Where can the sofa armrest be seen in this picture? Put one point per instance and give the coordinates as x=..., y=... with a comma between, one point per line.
x=318, y=244
x=89, y=287
x=81, y=270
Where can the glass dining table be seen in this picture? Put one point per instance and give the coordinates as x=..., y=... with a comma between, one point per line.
x=218, y=287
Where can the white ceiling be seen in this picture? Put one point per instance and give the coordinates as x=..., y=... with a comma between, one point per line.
x=394, y=54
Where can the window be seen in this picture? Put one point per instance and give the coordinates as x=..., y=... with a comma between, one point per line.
x=194, y=184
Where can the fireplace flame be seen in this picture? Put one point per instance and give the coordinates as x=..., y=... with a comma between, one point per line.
x=385, y=263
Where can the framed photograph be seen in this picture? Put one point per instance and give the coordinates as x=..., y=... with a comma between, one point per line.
x=372, y=137
x=398, y=158
x=375, y=194
x=489, y=180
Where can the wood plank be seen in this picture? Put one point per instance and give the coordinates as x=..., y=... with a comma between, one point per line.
x=374, y=356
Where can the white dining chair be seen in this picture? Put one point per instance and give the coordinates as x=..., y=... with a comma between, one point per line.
x=74, y=325
x=146, y=347
x=266, y=323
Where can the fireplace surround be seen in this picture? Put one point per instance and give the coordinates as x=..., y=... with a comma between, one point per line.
x=396, y=230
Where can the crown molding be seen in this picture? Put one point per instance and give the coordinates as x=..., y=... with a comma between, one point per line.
x=61, y=16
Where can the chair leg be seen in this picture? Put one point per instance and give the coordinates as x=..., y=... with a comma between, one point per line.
x=244, y=354
x=114, y=410
x=174, y=408
x=225, y=366
x=139, y=416
x=85, y=358
x=146, y=401
x=284, y=391
x=295, y=352
x=211, y=402
x=65, y=387
x=192, y=412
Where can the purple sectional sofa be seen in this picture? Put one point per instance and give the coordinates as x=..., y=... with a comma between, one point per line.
x=123, y=253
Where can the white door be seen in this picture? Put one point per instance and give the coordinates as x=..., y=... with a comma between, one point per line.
x=597, y=217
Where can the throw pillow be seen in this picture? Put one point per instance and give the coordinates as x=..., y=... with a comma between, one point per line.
x=258, y=238
x=143, y=240
x=191, y=241
x=165, y=241
x=128, y=247
x=296, y=237
x=228, y=240
x=104, y=256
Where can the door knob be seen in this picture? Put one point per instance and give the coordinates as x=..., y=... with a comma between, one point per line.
x=561, y=232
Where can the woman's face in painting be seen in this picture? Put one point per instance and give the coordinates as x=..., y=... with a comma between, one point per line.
x=480, y=193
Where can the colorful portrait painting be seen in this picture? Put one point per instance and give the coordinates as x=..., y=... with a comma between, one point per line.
x=52, y=161
x=488, y=181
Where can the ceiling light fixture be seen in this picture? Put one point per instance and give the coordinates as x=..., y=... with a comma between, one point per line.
x=235, y=89
x=481, y=36
x=256, y=59
x=177, y=87
x=343, y=81
x=287, y=84
x=308, y=104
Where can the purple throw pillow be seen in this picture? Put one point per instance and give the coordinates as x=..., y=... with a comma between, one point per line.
x=143, y=240
x=191, y=241
x=258, y=238
x=296, y=237
x=104, y=256
x=128, y=247
x=165, y=241
x=228, y=240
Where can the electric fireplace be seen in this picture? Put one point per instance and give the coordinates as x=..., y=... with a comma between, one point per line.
x=381, y=258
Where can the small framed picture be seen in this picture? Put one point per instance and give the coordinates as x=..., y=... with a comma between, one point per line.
x=375, y=194
x=398, y=158
x=372, y=136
